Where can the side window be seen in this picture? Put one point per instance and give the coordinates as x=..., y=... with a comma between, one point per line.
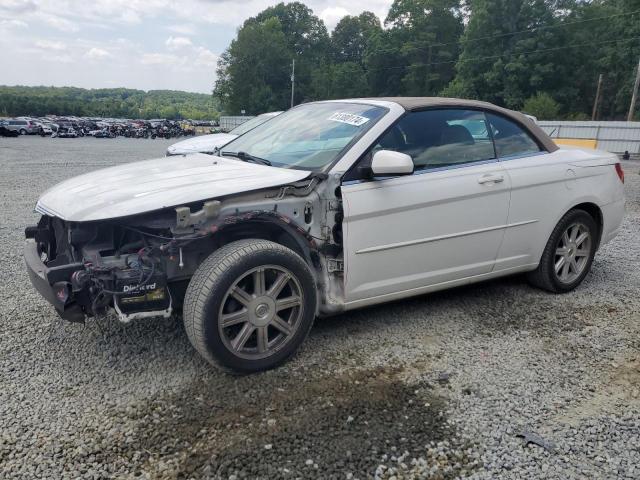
x=440, y=138
x=510, y=138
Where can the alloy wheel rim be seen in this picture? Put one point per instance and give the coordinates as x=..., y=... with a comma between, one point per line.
x=261, y=312
x=572, y=253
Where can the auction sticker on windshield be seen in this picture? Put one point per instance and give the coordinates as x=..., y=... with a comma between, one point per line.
x=348, y=118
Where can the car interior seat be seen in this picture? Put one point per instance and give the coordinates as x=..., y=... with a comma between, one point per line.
x=456, y=134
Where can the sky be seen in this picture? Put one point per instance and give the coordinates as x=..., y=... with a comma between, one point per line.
x=143, y=44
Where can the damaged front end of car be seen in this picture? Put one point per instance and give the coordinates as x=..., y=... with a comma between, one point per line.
x=139, y=266
x=85, y=269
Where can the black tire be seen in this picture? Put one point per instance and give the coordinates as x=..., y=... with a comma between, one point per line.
x=207, y=292
x=545, y=276
x=23, y=131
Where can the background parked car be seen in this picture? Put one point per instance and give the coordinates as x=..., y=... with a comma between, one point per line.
x=208, y=143
x=66, y=130
x=23, y=127
x=6, y=132
x=131, y=128
x=102, y=133
x=44, y=128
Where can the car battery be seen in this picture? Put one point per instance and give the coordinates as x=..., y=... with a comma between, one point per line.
x=133, y=297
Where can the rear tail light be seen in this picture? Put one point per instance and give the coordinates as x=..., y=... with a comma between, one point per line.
x=620, y=172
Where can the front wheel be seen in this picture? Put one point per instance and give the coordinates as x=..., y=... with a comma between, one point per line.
x=568, y=255
x=250, y=305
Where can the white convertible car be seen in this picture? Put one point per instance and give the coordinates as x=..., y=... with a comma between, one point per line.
x=328, y=207
x=209, y=143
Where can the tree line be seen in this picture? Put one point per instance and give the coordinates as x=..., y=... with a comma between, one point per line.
x=540, y=56
x=106, y=102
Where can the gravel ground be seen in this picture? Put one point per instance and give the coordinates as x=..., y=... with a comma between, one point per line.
x=435, y=387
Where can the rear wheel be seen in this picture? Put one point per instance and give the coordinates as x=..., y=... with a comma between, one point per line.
x=568, y=255
x=23, y=131
x=250, y=305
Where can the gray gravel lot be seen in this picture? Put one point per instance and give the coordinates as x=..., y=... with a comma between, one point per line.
x=435, y=387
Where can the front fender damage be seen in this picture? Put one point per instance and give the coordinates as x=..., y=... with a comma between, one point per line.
x=309, y=213
x=140, y=266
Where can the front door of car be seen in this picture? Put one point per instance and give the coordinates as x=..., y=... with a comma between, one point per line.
x=443, y=223
x=538, y=192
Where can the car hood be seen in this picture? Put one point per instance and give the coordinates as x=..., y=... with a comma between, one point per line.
x=139, y=187
x=203, y=143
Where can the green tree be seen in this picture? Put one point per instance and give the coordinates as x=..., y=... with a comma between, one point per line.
x=608, y=32
x=342, y=74
x=340, y=80
x=304, y=32
x=504, y=59
x=307, y=40
x=384, y=64
x=352, y=36
x=417, y=55
x=106, y=102
x=542, y=106
x=253, y=73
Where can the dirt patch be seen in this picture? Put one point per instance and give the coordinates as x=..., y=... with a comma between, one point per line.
x=620, y=390
x=312, y=426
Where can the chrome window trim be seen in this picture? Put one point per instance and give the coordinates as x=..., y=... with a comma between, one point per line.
x=455, y=167
x=427, y=170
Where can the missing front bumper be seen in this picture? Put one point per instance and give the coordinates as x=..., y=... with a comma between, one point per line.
x=54, y=283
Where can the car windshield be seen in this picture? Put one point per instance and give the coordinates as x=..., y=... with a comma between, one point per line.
x=251, y=124
x=308, y=137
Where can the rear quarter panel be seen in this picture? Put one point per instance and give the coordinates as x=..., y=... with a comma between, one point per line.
x=545, y=187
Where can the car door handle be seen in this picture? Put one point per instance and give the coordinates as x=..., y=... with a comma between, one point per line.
x=490, y=178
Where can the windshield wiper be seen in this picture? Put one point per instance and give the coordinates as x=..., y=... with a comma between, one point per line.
x=247, y=157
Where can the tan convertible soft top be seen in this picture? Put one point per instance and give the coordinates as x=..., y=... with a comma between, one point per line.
x=413, y=104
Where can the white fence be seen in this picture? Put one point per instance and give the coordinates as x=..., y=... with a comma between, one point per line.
x=229, y=122
x=616, y=137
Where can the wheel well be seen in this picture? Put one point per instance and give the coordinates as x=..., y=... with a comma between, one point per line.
x=595, y=212
x=265, y=230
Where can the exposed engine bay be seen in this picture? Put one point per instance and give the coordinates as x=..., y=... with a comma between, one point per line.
x=140, y=266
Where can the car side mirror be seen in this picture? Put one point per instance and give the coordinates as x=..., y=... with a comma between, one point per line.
x=387, y=163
